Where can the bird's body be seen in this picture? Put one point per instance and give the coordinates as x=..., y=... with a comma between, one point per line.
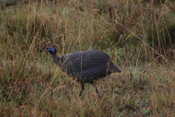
x=86, y=66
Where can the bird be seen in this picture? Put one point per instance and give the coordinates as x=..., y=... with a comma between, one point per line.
x=85, y=66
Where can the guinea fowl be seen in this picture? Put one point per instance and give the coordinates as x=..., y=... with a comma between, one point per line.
x=85, y=66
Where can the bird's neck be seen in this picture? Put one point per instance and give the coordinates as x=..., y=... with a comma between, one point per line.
x=56, y=59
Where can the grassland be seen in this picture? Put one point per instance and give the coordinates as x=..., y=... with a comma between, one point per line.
x=138, y=35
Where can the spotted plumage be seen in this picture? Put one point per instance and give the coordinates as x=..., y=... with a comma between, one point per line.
x=85, y=66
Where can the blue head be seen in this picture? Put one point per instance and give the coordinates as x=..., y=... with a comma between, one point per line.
x=52, y=51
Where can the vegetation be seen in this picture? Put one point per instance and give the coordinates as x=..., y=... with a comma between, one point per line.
x=139, y=35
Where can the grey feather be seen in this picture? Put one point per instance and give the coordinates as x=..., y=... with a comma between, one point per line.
x=86, y=66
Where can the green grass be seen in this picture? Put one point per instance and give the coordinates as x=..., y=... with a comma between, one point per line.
x=134, y=34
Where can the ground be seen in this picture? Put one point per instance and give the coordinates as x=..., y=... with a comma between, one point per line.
x=31, y=85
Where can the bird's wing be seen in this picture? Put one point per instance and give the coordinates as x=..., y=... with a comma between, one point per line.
x=89, y=59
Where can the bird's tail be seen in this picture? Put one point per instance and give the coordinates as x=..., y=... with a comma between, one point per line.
x=113, y=68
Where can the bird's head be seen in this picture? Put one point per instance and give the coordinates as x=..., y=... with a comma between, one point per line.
x=52, y=50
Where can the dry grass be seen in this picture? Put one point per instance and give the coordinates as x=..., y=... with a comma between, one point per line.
x=132, y=33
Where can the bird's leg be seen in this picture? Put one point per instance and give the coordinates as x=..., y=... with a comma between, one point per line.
x=96, y=89
x=82, y=88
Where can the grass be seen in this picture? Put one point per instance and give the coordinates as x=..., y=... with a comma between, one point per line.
x=136, y=35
